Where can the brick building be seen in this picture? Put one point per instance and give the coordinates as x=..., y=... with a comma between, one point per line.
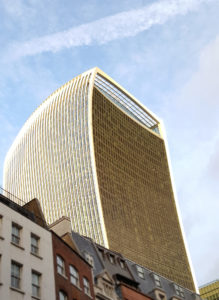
x=73, y=274
x=129, y=293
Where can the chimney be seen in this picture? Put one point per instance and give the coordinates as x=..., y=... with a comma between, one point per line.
x=62, y=226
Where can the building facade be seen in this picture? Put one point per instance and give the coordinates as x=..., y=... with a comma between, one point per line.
x=113, y=279
x=157, y=286
x=73, y=275
x=210, y=291
x=92, y=152
x=114, y=273
x=26, y=256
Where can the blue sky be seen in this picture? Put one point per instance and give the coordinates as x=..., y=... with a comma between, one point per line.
x=166, y=53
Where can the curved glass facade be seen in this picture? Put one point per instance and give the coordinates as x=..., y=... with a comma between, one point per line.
x=51, y=159
x=92, y=152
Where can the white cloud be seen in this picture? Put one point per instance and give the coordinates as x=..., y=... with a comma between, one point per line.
x=121, y=25
x=203, y=87
x=194, y=128
x=14, y=8
x=213, y=165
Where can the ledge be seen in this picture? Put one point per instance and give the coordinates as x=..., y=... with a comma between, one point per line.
x=40, y=257
x=159, y=289
x=76, y=286
x=63, y=276
x=35, y=297
x=18, y=246
x=176, y=297
x=17, y=290
x=88, y=295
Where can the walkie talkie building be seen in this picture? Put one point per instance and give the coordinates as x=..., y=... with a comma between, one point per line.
x=92, y=152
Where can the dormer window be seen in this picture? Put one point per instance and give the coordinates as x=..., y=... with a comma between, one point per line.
x=122, y=264
x=101, y=252
x=112, y=259
x=89, y=259
x=140, y=272
x=157, y=280
x=179, y=291
x=161, y=296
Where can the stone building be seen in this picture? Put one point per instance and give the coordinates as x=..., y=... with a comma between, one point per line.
x=26, y=255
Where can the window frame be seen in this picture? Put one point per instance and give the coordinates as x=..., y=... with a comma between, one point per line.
x=112, y=258
x=86, y=286
x=122, y=264
x=32, y=246
x=74, y=276
x=34, y=285
x=60, y=267
x=140, y=272
x=89, y=258
x=16, y=277
x=16, y=238
x=157, y=280
x=179, y=290
x=101, y=251
x=63, y=293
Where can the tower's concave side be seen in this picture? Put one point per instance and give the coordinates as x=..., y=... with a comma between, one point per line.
x=93, y=153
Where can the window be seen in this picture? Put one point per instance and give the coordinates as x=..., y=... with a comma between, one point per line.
x=161, y=296
x=89, y=259
x=34, y=244
x=62, y=295
x=16, y=275
x=60, y=265
x=86, y=286
x=122, y=264
x=74, y=278
x=35, y=284
x=15, y=234
x=157, y=280
x=101, y=253
x=112, y=259
x=140, y=272
x=179, y=291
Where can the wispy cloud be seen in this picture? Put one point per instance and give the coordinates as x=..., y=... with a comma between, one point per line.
x=107, y=29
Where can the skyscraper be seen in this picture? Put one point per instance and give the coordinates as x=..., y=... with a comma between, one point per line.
x=92, y=152
x=210, y=291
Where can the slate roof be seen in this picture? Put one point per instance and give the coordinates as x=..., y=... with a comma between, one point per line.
x=86, y=245
x=147, y=285
x=102, y=262
x=114, y=268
